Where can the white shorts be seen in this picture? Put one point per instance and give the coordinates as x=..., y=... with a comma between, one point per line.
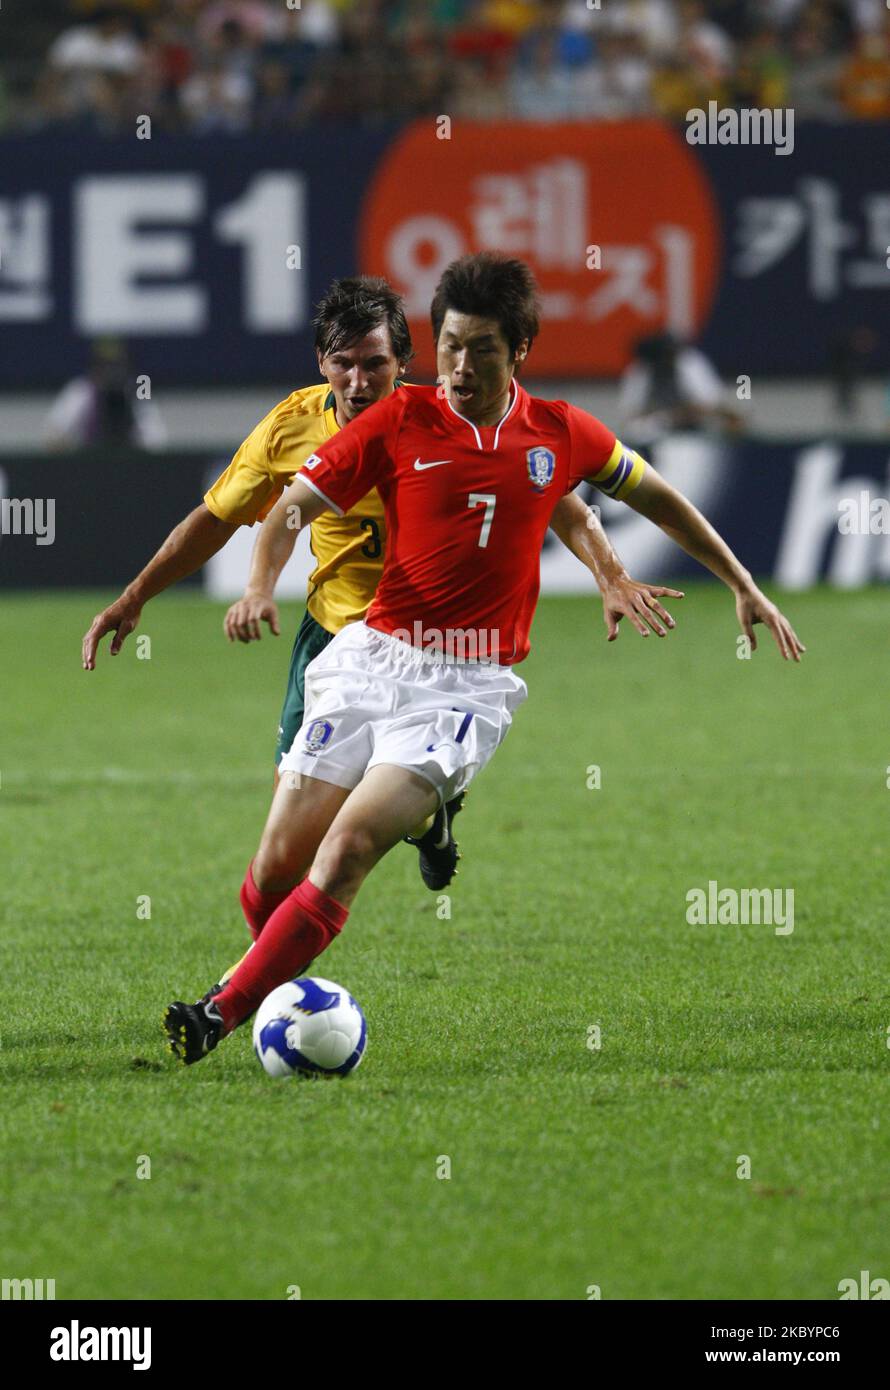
x=371, y=698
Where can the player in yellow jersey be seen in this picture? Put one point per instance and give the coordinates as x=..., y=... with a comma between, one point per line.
x=348, y=550
x=363, y=348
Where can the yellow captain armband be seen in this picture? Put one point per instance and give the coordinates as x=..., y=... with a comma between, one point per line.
x=621, y=473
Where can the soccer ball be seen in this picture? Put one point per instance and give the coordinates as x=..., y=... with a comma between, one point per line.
x=309, y=1027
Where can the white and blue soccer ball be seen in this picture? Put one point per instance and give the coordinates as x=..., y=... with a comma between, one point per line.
x=309, y=1027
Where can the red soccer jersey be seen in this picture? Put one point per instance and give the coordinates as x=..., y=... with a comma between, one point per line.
x=467, y=509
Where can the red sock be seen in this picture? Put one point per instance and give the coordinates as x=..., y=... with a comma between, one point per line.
x=258, y=907
x=296, y=932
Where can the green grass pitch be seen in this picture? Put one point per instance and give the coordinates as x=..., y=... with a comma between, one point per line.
x=570, y=1167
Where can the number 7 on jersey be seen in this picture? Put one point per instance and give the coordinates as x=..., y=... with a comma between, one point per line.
x=488, y=499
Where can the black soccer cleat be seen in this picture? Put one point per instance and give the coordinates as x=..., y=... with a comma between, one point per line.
x=192, y=1030
x=438, y=848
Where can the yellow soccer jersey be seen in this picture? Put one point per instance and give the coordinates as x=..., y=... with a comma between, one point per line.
x=348, y=549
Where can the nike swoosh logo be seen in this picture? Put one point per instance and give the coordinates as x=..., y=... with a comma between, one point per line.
x=437, y=463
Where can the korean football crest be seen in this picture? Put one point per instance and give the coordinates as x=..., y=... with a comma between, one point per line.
x=541, y=466
x=317, y=735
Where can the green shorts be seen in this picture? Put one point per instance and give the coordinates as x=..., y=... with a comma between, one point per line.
x=311, y=639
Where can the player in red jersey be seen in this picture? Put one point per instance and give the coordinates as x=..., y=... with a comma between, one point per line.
x=404, y=708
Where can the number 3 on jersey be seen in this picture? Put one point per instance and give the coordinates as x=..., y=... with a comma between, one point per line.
x=488, y=500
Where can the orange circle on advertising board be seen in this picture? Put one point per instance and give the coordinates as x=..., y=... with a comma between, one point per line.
x=617, y=220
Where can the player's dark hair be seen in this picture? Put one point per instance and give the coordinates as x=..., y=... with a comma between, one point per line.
x=354, y=307
x=493, y=286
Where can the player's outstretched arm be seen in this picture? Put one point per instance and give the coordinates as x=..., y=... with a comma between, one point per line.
x=189, y=546
x=581, y=531
x=654, y=498
x=297, y=506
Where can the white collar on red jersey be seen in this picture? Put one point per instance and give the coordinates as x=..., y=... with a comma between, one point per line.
x=514, y=396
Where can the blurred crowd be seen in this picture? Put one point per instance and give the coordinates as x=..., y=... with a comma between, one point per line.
x=235, y=66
